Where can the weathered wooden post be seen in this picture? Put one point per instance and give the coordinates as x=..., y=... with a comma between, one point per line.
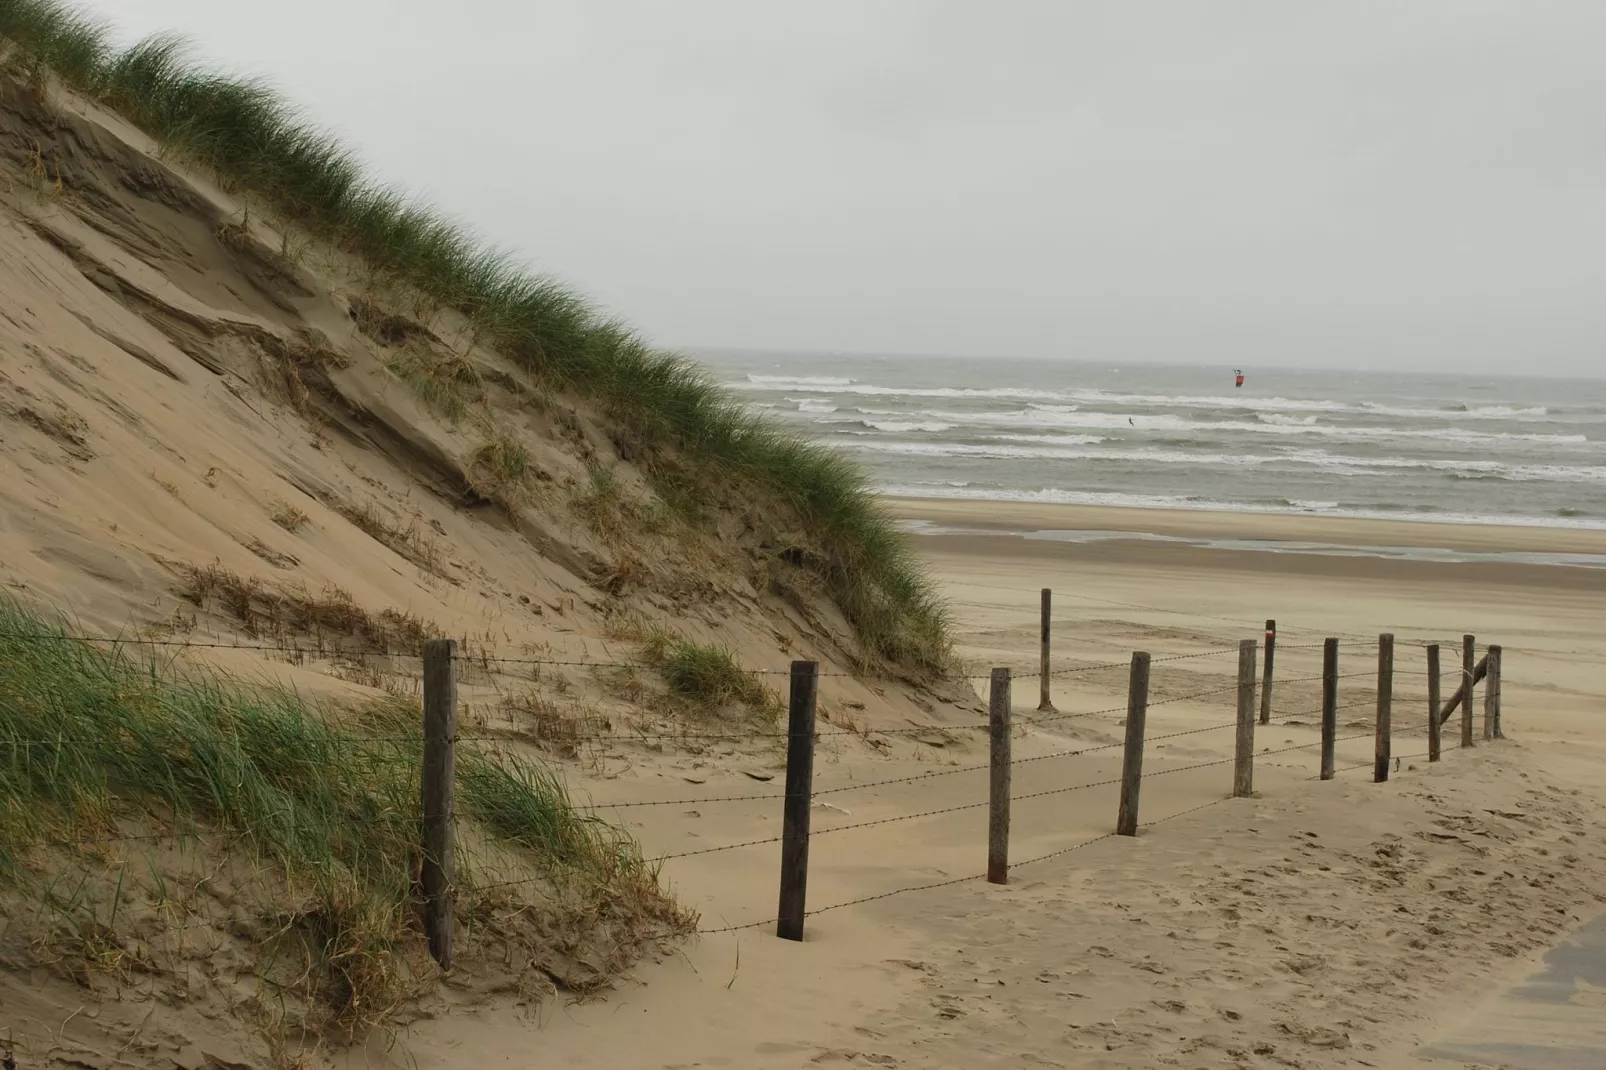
x=1491, y=696
x=439, y=774
x=1044, y=674
x=1329, y=705
x=1137, y=711
x=998, y=720
x=799, y=797
x=1469, y=656
x=1435, y=726
x=1385, y=708
x=1243, y=766
x=1265, y=683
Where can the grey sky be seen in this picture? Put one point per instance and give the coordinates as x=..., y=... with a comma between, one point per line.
x=1386, y=183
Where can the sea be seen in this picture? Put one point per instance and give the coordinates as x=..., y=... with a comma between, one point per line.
x=1448, y=448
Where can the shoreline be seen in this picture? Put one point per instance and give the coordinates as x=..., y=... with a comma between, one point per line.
x=978, y=517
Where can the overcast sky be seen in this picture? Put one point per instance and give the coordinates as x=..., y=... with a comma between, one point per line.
x=1379, y=184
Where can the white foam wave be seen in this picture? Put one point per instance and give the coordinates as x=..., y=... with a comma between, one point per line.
x=814, y=406
x=1071, y=418
x=1084, y=396
x=1056, y=496
x=908, y=426
x=769, y=382
x=1313, y=458
x=1475, y=412
x=870, y=390
x=1054, y=440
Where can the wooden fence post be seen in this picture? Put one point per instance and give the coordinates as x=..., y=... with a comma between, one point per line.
x=1434, y=724
x=1453, y=703
x=1243, y=766
x=1329, y=705
x=1137, y=711
x=998, y=721
x=1469, y=655
x=1265, y=683
x=1384, y=747
x=439, y=775
x=799, y=797
x=1491, y=696
x=1044, y=675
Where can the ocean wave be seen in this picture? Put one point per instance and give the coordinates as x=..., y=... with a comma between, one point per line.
x=870, y=390
x=769, y=382
x=1070, y=398
x=1476, y=412
x=1075, y=419
x=906, y=426
x=1117, y=499
x=1278, y=419
x=1060, y=440
x=814, y=406
x=1340, y=464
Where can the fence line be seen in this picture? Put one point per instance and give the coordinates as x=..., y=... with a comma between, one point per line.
x=441, y=734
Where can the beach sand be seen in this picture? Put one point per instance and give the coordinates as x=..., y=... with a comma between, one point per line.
x=1315, y=925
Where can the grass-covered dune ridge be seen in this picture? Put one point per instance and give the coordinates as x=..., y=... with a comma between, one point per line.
x=687, y=429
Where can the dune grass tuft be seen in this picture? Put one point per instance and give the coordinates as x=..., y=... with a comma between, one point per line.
x=447, y=386
x=95, y=741
x=256, y=144
x=704, y=675
x=502, y=471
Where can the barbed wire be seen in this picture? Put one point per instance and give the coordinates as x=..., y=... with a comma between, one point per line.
x=953, y=881
x=198, y=644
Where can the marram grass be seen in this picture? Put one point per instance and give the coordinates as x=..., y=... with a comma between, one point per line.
x=97, y=740
x=243, y=132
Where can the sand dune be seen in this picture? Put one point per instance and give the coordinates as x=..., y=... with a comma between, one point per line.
x=158, y=431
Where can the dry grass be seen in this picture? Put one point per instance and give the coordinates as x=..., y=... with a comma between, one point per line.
x=503, y=472
x=63, y=425
x=332, y=618
x=561, y=728
x=448, y=384
x=409, y=541
x=288, y=517
x=846, y=719
x=603, y=505
x=387, y=328
x=288, y=363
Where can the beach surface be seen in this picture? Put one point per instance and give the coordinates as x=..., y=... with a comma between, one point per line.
x=1317, y=924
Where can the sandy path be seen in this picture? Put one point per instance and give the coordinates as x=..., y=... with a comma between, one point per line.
x=1318, y=925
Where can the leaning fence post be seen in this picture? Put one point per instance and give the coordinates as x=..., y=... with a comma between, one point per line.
x=1469, y=655
x=1046, y=704
x=1243, y=767
x=1137, y=711
x=799, y=797
x=1329, y=705
x=439, y=773
x=1491, y=695
x=1434, y=724
x=1265, y=683
x=1385, y=708
x=998, y=718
